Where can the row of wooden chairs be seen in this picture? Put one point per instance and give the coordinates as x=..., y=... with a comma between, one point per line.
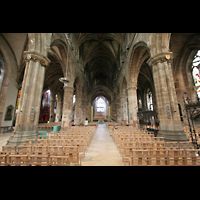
x=35, y=160
x=42, y=152
x=51, y=149
x=178, y=157
x=86, y=138
x=140, y=147
x=57, y=142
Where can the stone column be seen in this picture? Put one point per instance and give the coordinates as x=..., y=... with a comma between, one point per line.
x=29, y=107
x=133, y=106
x=124, y=113
x=167, y=104
x=78, y=110
x=119, y=115
x=67, y=106
x=59, y=109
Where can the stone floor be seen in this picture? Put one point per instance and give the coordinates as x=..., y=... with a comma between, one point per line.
x=102, y=150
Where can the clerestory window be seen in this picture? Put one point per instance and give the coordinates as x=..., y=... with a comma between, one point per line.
x=195, y=72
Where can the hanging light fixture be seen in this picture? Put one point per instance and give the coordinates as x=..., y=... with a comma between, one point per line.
x=65, y=80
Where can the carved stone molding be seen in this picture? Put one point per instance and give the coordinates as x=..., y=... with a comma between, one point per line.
x=32, y=55
x=132, y=88
x=161, y=57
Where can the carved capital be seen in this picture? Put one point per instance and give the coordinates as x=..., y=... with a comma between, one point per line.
x=132, y=88
x=37, y=57
x=161, y=57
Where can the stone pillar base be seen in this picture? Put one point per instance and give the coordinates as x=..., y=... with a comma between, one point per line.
x=19, y=137
x=178, y=136
x=133, y=123
x=76, y=122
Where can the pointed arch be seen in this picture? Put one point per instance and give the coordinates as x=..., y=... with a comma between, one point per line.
x=140, y=53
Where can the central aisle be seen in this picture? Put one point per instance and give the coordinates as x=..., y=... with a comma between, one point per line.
x=102, y=150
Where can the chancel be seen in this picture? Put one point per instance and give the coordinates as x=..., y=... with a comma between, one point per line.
x=132, y=89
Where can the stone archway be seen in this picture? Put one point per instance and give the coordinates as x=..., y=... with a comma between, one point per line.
x=140, y=54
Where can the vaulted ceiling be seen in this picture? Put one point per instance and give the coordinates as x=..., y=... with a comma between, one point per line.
x=100, y=55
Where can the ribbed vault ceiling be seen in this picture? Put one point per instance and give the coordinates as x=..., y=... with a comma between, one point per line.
x=100, y=54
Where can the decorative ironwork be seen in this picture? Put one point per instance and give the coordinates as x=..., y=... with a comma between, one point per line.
x=192, y=110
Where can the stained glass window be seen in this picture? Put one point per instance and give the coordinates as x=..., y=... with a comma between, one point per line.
x=100, y=105
x=195, y=72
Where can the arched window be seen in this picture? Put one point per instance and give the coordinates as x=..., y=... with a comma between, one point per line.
x=149, y=100
x=100, y=105
x=195, y=72
x=9, y=113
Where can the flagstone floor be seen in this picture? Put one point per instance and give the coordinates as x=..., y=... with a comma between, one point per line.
x=102, y=150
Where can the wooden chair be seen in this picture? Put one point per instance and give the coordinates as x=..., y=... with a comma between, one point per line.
x=9, y=149
x=176, y=157
x=30, y=142
x=17, y=160
x=25, y=150
x=139, y=158
x=73, y=153
x=192, y=157
x=159, y=139
x=127, y=152
x=59, y=160
x=38, y=160
x=158, y=145
x=40, y=150
x=171, y=145
x=55, y=150
x=3, y=159
x=54, y=142
x=145, y=145
x=82, y=150
x=42, y=142
x=157, y=157
x=185, y=145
